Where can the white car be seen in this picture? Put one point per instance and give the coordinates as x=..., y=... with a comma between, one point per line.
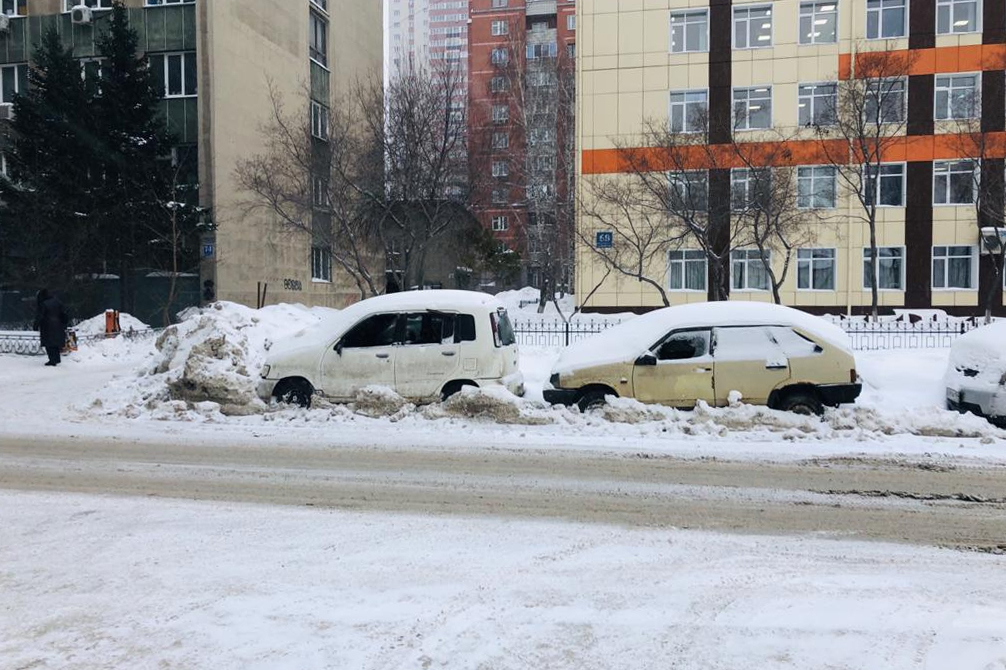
x=426, y=345
x=976, y=375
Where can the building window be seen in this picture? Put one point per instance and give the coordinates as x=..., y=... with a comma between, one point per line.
x=501, y=141
x=688, y=111
x=501, y=113
x=12, y=78
x=816, y=104
x=14, y=7
x=319, y=120
x=500, y=56
x=541, y=51
x=500, y=224
x=954, y=182
x=319, y=39
x=500, y=169
x=321, y=264
x=93, y=4
x=752, y=27
x=319, y=190
x=689, y=31
x=957, y=16
x=500, y=28
x=158, y=3
x=891, y=189
x=745, y=186
x=954, y=267
x=571, y=22
x=956, y=96
x=499, y=3
x=499, y=84
x=816, y=187
x=885, y=101
x=320, y=4
x=689, y=191
x=174, y=75
x=818, y=22
x=815, y=269
x=753, y=108
x=885, y=19
x=499, y=197
x=687, y=270
x=890, y=268
x=747, y=270
x=571, y=51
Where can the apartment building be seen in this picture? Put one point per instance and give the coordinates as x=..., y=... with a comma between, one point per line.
x=216, y=60
x=428, y=34
x=759, y=71
x=521, y=55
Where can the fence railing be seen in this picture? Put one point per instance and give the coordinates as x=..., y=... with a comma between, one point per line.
x=864, y=335
x=26, y=343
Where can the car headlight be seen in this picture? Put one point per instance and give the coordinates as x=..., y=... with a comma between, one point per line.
x=265, y=371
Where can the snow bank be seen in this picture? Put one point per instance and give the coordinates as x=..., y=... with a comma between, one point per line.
x=208, y=362
x=96, y=325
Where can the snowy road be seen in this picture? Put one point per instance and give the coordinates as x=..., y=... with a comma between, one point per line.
x=849, y=497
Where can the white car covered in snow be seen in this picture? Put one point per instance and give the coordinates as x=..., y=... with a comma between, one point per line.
x=976, y=374
x=425, y=345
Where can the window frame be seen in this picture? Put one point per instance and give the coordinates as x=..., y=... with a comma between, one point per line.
x=733, y=107
x=973, y=259
x=813, y=14
x=670, y=109
x=16, y=12
x=684, y=26
x=748, y=9
x=975, y=175
x=906, y=22
x=686, y=177
x=810, y=262
x=168, y=3
x=684, y=262
x=976, y=96
x=166, y=59
x=319, y=121
x=499, y=27
x=813, y=107
x=877, y=191
x=312, y=49
x=321, y=258
x=901, y=275
x=979, y=11
x=68, y=5
x=834, y=177
x=747, y=260
x=500, y=223
x=903, y=81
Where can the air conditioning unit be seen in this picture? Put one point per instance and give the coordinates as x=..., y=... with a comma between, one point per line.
x=82, y=15
x=4, y=23
x=6, y=112
x=993, y=240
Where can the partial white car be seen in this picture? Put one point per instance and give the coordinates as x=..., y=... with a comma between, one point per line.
x=425, y=345
x=976, y=374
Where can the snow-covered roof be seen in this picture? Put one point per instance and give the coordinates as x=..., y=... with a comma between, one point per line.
x=983, y=349
x=633, y=337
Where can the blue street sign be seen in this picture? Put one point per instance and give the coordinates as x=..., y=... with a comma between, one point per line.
x=209, y=249
x=605, y=240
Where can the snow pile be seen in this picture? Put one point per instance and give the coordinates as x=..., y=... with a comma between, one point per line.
x=380, y=401
x=494, y=404
x=208, y=365
x=96, y=325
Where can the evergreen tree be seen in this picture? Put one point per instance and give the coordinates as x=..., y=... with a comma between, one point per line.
x=48, y=198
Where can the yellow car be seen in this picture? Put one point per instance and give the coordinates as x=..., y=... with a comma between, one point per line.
x=712, y=352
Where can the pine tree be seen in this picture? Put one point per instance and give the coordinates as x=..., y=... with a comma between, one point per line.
x=48, y=198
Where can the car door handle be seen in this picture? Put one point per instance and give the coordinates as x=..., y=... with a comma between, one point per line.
x=776, y=367
x=383, y=355
x=447, y=353
x=703, y=369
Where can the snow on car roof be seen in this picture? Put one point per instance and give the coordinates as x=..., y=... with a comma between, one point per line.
x=983, y=347
x=633, y=337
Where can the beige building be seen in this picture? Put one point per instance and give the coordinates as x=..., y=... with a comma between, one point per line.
x=767, y=70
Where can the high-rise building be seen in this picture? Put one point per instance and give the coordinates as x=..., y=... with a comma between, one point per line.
x=217, y=61
x=520, y=110
x=777, y=79
x=427, y=34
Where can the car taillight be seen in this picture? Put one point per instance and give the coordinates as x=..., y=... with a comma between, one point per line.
x=853, y=377
x=496, y=331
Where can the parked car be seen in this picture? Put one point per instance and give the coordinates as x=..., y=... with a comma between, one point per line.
x=426, y=345
x=677, y=356
x=976, y=373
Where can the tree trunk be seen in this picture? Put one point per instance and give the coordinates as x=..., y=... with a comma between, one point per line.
x=875, y=262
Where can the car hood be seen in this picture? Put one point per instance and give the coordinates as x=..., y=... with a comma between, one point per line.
x=310, y=342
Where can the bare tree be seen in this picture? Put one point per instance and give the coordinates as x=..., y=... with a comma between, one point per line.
x=868, y=119
x=981, y=152
x=660, y=202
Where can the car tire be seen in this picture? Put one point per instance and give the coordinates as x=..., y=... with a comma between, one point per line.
x=593, y=399
x=294, y=392
x=801, y=402
x=453, y=388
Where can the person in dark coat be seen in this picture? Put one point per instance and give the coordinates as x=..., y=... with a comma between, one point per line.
x=51, y=322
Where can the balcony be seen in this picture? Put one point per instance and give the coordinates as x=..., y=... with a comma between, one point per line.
x=540, y=7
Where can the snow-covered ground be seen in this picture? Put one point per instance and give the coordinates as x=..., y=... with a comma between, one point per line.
x=97, y=582
x=197, y=382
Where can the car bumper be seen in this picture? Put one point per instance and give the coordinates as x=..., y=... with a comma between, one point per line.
x=266, y=388
x=561, y=396
x=833, y=395
x=990, y=404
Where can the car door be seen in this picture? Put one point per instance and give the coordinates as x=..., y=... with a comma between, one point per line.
x=428, y=356
x=747, y=360
x=678, y=371
x=364, y=356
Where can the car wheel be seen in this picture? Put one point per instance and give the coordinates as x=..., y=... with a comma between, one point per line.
x=592, y=400
x=453, y=388
x=294, y=392
x=802, y=402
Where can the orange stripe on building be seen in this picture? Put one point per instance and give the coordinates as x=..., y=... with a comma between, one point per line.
x=940, y=60
x=786, y=154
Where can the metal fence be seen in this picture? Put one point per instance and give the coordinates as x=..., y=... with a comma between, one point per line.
x=864, y=335
x=26, y=343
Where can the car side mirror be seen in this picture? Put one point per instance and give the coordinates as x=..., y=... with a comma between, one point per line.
x=338, y=347
x=646, y=359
